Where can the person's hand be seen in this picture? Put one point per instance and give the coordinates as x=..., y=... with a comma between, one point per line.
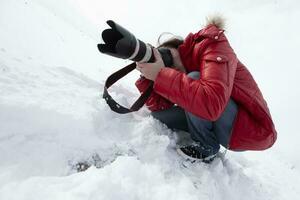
x=151, y=70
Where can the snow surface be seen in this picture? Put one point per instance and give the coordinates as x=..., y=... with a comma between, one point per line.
x=52, y=115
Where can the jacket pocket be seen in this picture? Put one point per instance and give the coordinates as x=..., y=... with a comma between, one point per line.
x=220, y=63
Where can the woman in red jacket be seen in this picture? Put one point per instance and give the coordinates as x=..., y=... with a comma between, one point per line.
x=208, y=93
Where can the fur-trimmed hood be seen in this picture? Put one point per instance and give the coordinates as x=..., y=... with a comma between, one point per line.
x=217, y=19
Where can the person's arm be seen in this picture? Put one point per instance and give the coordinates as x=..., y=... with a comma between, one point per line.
x=155, y=102
x=206, y=97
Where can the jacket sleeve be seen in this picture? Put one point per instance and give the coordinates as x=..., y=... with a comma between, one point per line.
x=155, y=102
x=206, y=97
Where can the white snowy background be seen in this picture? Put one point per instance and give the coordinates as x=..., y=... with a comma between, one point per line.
x=52, y=115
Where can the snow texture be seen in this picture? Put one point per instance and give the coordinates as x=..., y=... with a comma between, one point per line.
x=52, y=115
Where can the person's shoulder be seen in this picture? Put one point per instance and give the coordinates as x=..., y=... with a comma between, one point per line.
x=214, y=27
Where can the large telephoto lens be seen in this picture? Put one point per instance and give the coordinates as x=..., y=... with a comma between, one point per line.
x=120, y=43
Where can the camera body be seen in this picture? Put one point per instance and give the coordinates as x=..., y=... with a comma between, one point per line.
x=120, y=43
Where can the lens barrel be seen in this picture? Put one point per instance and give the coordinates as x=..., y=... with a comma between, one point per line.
x=120, y=43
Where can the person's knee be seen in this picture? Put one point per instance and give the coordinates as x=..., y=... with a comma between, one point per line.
x=155, y=115
x=194, y=75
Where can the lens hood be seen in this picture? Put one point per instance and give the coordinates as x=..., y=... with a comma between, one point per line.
x=119, y=42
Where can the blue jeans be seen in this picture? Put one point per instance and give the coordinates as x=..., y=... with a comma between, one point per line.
x=208, y=134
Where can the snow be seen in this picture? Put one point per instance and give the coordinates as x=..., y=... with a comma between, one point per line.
x=52, y=115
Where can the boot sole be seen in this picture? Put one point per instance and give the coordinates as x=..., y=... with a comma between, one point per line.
x=208, y=159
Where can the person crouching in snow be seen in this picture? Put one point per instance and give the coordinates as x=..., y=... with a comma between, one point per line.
x=208, y=93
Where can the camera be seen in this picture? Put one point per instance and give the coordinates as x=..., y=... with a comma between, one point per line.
x=120, y=43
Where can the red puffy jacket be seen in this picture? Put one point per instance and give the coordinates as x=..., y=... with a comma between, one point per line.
x=223, y=76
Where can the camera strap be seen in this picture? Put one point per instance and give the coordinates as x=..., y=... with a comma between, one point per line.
x=112, y=79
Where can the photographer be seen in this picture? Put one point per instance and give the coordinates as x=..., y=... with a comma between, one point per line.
x=209, y=93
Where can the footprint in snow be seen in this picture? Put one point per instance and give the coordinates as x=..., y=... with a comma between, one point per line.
x=3, y=68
